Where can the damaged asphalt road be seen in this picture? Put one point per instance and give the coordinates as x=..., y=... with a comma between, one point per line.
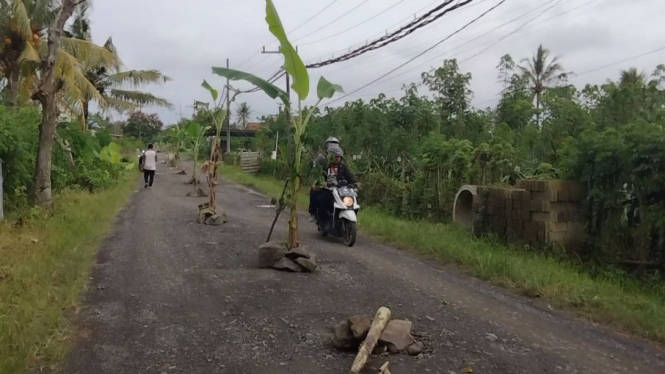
x=168, y=295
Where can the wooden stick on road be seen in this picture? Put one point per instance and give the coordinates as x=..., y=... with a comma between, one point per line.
x=378, y=325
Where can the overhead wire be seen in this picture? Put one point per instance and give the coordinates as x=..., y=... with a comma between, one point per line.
x=494, y=29
x=397, y=35
x=420, y=54
x=478, y=37
x=331, y=22
x=514, y=31
x=297, y=27
x=594, y=69
x=353, y=27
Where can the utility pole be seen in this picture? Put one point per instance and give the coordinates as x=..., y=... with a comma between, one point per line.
x=228, y=112
x=288, y=111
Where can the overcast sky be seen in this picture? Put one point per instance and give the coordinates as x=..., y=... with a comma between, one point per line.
x=184, y=39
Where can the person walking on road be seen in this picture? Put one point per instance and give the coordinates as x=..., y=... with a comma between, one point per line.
x=149, y=166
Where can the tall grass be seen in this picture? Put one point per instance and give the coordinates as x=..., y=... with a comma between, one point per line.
x=614, y=299
x=44, y=267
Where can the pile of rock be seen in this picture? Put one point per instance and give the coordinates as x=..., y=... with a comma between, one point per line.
x=395, y=338
x=278, y=256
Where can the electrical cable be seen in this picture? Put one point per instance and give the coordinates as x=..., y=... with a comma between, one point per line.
x=395, y=36
x=490, y=31
x=513, y=32
x=420, y=54
x=299, y=26
x=353, y=27
x=331, y=22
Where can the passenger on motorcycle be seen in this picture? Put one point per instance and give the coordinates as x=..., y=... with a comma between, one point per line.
x=336, y=173
x=320, y=163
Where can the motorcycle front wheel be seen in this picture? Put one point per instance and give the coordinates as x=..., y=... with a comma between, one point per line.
x=350, y=231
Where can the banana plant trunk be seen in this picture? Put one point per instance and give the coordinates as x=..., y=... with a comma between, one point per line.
x=294, y=241
x=45, y=94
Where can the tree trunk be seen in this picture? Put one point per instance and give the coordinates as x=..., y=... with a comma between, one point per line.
x=13, y=84
x=86, y=114
x=538, y=110
x=46, y=95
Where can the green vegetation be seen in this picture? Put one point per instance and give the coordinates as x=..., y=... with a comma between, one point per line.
x=65, y=174
x=613, y=298
x=294, y=66
x=413, y=153
x=44, y=267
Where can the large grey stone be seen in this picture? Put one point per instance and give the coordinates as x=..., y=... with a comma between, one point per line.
x=397, y=333
x=298, y=252
x=270, y=253
x=343, y=339
x=216, y=219
x=308, y=263
x=415, y=349
x=286, y=264
x=360, y=326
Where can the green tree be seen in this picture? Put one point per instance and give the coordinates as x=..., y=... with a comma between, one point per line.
x=542, y=73
x=145, y=127
x=243, y=113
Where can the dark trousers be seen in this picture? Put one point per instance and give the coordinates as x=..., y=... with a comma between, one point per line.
x=323, y=205
x=312, y=200
x=149, y=177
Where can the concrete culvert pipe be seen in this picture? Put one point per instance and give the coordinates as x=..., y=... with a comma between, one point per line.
x=463, y=208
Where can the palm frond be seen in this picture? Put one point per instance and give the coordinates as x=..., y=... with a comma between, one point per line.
x=29, y=53
x=90, y=54
x=139, y=98
x=119, y=105
x=110, y=46
x=21, y=19
x=138, y=77
x=76, y=85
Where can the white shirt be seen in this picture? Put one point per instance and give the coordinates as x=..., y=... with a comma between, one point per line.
x=150, y=160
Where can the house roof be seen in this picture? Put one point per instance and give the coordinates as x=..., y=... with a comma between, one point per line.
x=255, y=126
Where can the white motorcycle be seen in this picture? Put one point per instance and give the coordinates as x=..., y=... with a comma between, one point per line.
x=344, y=219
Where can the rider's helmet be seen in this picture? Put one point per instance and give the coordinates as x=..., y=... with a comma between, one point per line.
x=336, y=151
x=331, y=142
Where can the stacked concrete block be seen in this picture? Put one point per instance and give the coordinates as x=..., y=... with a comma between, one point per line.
x=537, y=213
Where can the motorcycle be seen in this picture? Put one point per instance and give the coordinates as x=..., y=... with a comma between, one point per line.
x=344, y=220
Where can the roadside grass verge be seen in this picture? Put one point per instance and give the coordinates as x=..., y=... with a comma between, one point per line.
x=612, y=298
x=44, y=268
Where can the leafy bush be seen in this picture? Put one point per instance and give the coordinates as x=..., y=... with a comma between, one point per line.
x=18, y=147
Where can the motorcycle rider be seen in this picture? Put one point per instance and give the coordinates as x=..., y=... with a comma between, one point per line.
x=336, y=172
x=321, y=162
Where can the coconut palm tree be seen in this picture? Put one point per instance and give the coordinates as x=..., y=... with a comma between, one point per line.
x=542, y=72
x=110, y=81
x=632, y=77
x=23, y=25
x=243, y=112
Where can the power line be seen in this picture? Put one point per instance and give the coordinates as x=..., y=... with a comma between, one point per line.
x=314, y=16
x=333, y=21
x=299, y=26
x=353, y=27
x=422, y=53
x=488, y=32
x=554, y=3
x=597, y=68
x=395, y=36
x=619, y=62
x=383, y=33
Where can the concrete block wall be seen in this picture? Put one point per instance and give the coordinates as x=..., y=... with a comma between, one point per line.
x=537, y=213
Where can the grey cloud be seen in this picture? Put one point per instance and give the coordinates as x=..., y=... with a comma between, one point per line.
x=185, y=39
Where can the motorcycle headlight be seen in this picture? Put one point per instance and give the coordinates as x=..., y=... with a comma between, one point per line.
x=348, y=201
